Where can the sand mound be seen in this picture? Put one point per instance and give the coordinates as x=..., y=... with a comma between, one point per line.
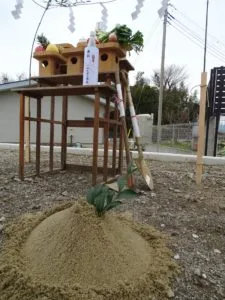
x=71, y=246
x=72, y=254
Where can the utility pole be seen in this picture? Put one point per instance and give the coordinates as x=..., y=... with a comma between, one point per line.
x=206, y=34
x=163, y=12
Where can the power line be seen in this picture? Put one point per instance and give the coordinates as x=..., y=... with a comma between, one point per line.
x=197, y=37
x=197, y=25
x=196, y=42
x=192, y=36
x=153, y=30
x=150, y=35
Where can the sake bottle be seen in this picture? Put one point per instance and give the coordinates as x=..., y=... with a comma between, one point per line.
x=91, y=62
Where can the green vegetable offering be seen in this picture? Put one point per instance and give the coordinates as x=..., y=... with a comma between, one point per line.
x=124, y=37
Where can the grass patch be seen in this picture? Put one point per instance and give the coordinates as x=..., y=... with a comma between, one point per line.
x=185, y=145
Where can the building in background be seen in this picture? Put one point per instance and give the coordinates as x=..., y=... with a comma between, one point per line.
x=79, y=108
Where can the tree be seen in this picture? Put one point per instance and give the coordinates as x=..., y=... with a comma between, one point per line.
x=4, y=78
x=141, y=80
x=178, y=105
x=21, y=76
x=173, y=76
x=145, y=97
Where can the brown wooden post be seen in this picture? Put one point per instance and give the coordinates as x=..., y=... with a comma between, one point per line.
x=64, y=132
x=121, y=150
x=27, y=130
x=115, y=131
x=95, y=138
x=21, y=145
x=201, y=130
x=51, y=144
x=38, y=137
x=106, y=139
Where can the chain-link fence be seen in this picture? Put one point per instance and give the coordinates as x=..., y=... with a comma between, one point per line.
x=182, y=138
x=175, y=138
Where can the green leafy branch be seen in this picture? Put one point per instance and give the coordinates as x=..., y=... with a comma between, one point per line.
x=104, y=199
x=124, y=37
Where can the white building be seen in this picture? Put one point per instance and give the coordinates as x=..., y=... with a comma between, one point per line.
x=79, y=108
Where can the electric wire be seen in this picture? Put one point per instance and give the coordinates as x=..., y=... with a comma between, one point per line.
x=153, y=30
x=150, y=35
x=185, y=31
x=197, y=42
x=197, y=37
x=197, y=25
x=68, y=4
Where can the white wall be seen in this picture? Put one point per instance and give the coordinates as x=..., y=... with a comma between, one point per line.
x=79, y=107
x=9, y=118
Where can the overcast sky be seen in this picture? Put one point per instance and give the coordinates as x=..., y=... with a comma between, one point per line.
x=185, y=35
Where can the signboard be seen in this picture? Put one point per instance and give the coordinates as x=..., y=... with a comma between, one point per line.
x=216, y=92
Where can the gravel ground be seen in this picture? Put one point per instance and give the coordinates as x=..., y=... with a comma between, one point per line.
x=193, y=217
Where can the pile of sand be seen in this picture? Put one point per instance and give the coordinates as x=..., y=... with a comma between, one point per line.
x=70, y=253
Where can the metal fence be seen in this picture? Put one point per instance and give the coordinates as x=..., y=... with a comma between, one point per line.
x=174, y=133
x=181, y=138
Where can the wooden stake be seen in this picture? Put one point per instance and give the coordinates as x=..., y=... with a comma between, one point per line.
x=38, y=137
x=201, y=129
x=106, y=139
x=95, y=138
x=27, y=130
x=51, y=144
x=114, y=145
x=64, y=132
x=21, y=146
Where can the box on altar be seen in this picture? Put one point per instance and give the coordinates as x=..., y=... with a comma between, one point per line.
x=109, y=54
x=70, y=60
x=74, y=60
x=52, y=63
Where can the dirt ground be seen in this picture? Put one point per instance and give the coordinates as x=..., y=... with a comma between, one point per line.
x=193, y=217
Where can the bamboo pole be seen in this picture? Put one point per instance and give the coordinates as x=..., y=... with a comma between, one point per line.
x=201, y=128
x=27, y=130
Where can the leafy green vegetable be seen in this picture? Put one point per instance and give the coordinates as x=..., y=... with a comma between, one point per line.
x=125, y=37
x=104, y=199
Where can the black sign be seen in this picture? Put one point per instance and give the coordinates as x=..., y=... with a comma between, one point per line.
x=216, y=92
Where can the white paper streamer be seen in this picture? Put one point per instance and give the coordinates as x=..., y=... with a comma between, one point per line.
x=162, y=10
x=120, y=100
x=18, y=9
x=71, y=26
x=104, y=19
x=138, y=7
x=134, y=121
